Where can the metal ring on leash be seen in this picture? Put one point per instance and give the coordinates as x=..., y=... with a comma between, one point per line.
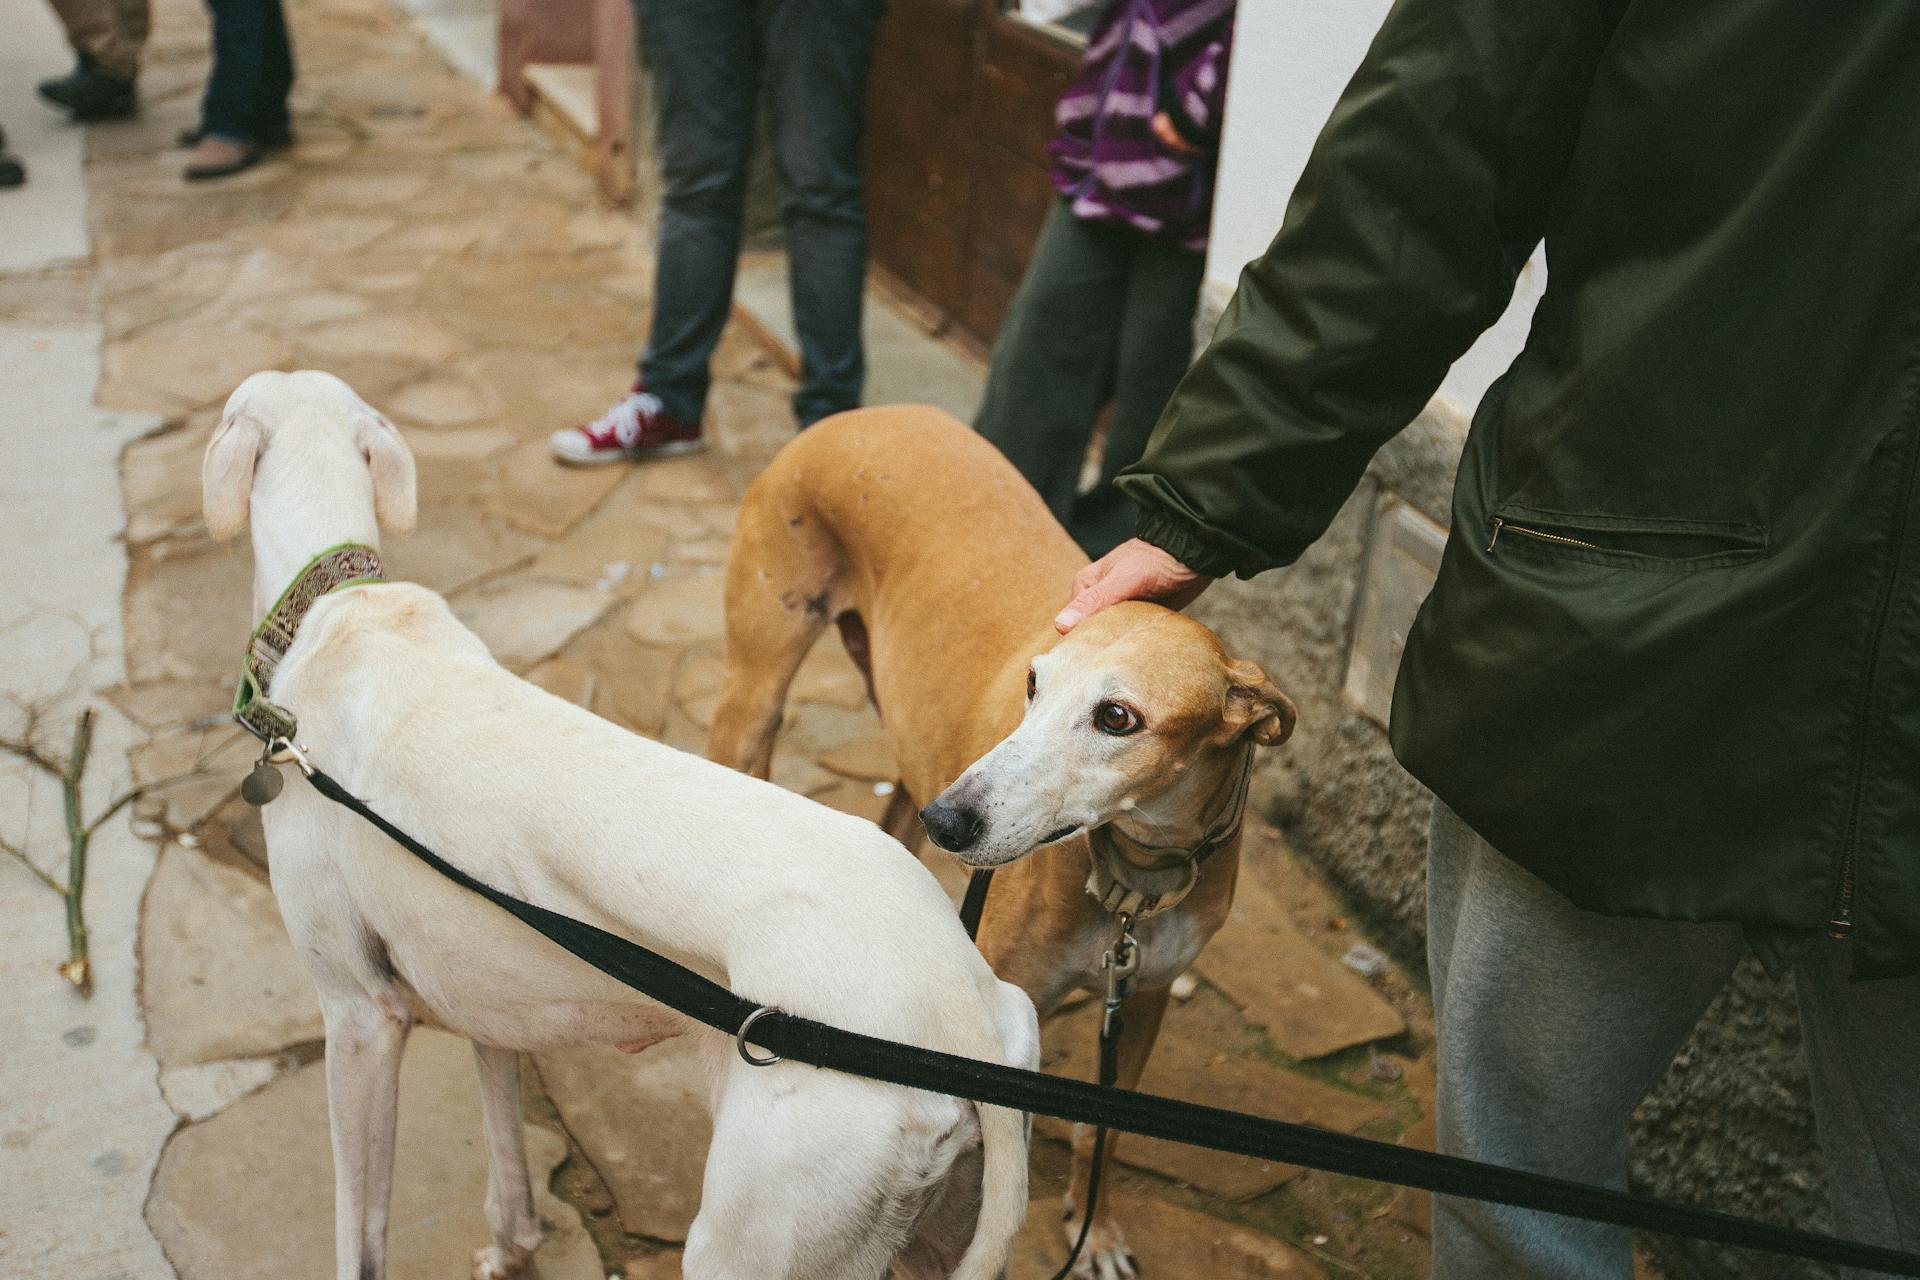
x=740, y=1037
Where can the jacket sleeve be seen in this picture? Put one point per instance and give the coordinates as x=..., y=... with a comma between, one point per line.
x=1194, y=96
x=1424, y=196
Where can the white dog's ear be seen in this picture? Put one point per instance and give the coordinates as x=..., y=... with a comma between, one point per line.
x=226, y=473
x=394, y=501
x=1255, y=706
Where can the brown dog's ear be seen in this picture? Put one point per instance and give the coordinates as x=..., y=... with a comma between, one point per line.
x=394, y=502
x=226, y=473
x=1255, y=705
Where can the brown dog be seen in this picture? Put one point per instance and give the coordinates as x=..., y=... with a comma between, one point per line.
x=1112, y=755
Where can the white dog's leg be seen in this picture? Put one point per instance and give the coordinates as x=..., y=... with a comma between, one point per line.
x=365, y=1037
x=944, y=1232
x=815, y=1176
x=516, y=1231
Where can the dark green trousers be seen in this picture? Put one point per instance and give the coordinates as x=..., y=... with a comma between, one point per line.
x=1104, y=315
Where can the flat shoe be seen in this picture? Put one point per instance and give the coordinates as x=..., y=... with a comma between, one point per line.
x=88, y=94
x=217, y=157
x=188, y=139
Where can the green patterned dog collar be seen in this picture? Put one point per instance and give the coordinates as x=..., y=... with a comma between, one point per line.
x=348, y=565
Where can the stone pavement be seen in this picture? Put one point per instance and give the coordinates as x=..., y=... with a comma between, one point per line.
x=82, y=1122
x=452, y=265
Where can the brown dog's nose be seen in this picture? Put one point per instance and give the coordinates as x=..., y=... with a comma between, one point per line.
x=953, y=827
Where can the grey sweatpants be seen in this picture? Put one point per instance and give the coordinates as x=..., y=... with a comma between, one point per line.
x=1105, y=314
x=1554, y=1023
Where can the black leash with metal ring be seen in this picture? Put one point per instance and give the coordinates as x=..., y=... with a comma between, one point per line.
x=817, y=1044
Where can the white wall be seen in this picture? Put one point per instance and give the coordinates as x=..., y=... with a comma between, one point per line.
x=1291, y=59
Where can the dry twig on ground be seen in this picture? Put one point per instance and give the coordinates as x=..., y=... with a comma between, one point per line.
x=69, y=774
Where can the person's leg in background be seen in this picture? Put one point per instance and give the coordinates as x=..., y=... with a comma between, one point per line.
x=1155, y=347
x=704, y=63
x=133, y=23
x=107, y=38
x=244, y=110
x=1053, y=362
x=703, y=60
x=1863, y=1054
x=818, y=53
x=272, y=121
x=1552, y=1023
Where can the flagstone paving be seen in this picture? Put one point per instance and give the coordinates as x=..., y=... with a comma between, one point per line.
x=450, y=263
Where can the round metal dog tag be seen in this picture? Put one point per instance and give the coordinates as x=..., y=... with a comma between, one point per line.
x=262, y=785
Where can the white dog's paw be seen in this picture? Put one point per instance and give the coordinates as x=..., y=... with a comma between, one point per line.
x=495, y=1263
x=1106, y=1256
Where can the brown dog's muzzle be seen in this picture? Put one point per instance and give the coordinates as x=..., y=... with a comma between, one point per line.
x=953, y=826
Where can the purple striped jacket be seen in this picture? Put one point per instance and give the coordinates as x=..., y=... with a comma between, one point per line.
x=1146, y=56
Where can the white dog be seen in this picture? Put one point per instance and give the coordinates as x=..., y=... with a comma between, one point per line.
x=811, y=1174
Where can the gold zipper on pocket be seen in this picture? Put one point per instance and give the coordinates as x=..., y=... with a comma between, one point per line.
x=1501, y=524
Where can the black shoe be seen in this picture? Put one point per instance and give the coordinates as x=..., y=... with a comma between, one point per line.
x=88, y=93
x=218, y=157
x=12, y=172
x=188, y=139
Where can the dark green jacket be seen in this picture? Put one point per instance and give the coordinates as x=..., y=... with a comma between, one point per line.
x=1684, y=682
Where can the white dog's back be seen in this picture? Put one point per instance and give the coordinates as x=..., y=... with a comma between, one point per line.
x=779, y=898
x=817, y=1176
x=808, y=908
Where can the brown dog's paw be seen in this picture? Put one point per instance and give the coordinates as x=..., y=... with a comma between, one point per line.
x=1106, y=1256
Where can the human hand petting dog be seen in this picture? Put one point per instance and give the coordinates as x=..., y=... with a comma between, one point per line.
x=1134, y=570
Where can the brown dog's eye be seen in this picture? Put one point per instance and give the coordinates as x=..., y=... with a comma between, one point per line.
x=1115, y=718
x=1032, y=684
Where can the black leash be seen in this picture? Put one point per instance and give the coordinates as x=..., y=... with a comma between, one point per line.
x=972, y=907
x=975, y=903
x=1109, y=1072
x=820, y=1045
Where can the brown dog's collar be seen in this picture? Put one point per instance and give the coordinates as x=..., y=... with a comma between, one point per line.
x=1144, y=879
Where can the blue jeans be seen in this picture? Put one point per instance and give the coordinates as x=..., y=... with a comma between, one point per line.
x=708, y=60
x=252, y=73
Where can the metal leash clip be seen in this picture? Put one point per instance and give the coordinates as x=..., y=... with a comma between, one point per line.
x=1120, y=963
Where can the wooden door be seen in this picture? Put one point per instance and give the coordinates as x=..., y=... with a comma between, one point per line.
x=958, y=117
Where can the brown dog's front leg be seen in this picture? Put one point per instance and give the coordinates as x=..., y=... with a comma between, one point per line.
x=746, y=720
x=902, y=818
x=1106, y=1253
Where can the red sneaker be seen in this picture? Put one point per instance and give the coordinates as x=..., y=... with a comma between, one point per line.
x=637, y=427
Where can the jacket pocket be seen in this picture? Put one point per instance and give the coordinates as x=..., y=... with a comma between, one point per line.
x=1628, y=542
